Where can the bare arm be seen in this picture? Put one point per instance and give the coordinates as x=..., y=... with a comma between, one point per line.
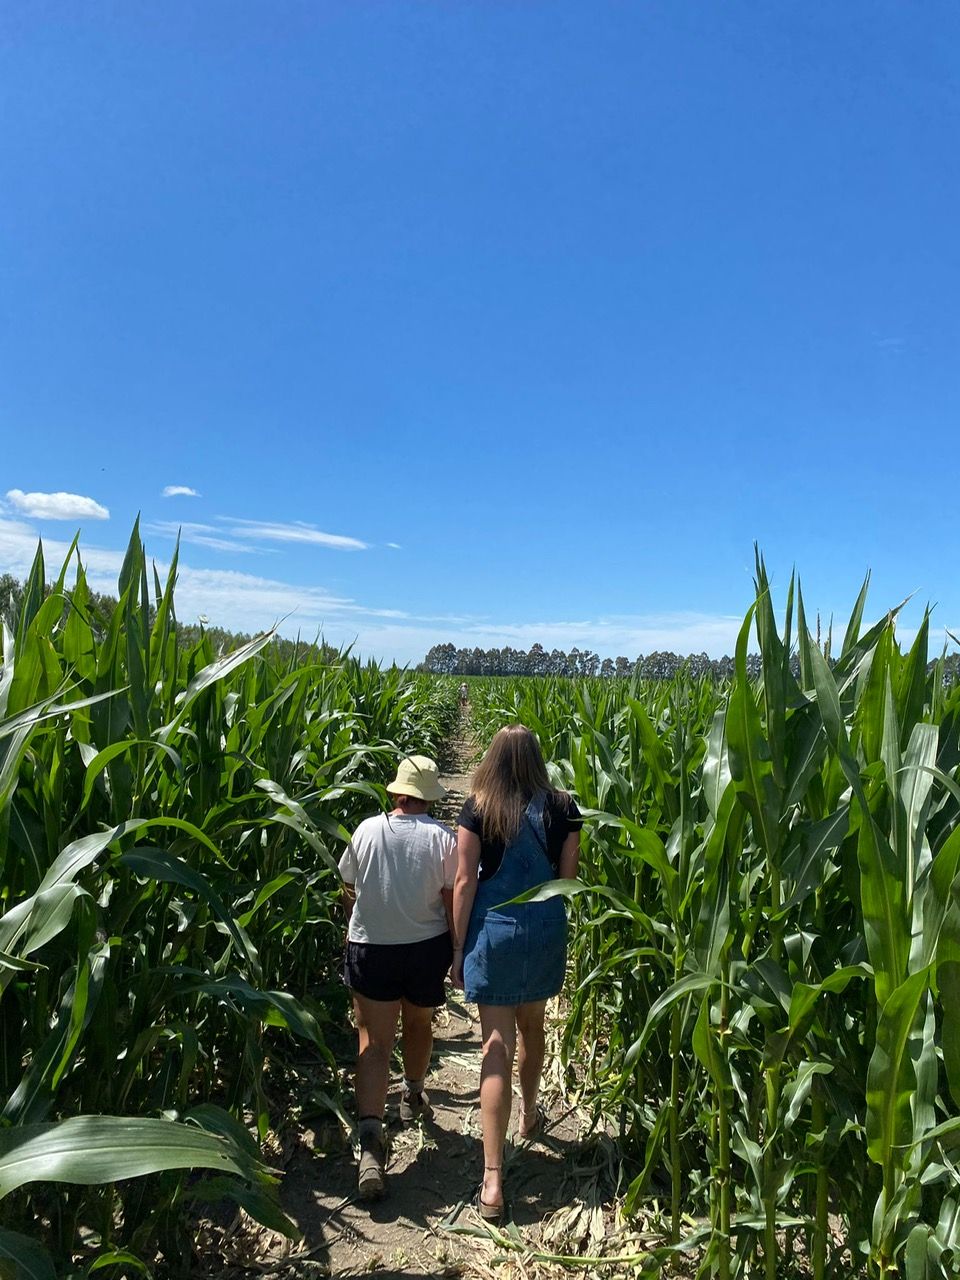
x=464, y=892
x=348, y=898
x=447, y=897
x=569, y=862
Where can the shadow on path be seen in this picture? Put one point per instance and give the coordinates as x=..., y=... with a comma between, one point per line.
x=433, y=1168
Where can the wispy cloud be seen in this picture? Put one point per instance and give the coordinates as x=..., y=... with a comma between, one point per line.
x=243, y=601
x=18, y=545
x=229, y=597
x=232, y=533
x=628, y=634
x=248, y=602
x=203, y=535
x=394, y=546
x=179, y=491
x=892, y=343
x=56, y=506
x=298, y=531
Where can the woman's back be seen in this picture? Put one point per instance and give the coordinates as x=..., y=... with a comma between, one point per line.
x=398, y=864
x=560, y=817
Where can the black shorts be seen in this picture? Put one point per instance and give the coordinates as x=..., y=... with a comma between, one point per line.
x=411, y=971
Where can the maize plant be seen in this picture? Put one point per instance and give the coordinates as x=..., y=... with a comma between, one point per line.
x=766, y=942
x=170, y=820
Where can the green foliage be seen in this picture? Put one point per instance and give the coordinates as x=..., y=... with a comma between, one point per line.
x=170, y=821
x=765, y=975
x=763, y=984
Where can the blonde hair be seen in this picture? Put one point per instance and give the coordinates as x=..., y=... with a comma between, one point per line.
x=511, y=772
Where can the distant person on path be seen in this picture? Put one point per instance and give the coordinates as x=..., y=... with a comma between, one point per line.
x=464, y=693
x=398, y=872
x=515, y=832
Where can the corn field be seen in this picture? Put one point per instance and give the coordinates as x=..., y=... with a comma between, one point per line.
x=765, y=986
x=170, y=820
x=764, y=992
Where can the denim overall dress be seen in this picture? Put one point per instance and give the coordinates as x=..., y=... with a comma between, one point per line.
x=517, y=954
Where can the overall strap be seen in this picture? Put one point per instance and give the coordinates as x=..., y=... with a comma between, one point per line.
x=540, y=800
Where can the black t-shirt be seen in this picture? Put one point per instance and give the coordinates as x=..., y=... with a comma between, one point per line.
x=560, y=817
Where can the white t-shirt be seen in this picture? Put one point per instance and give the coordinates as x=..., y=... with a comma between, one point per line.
x=398, y=863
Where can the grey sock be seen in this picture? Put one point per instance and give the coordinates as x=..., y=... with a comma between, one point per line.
x=414, y=1086
x=370, y=1127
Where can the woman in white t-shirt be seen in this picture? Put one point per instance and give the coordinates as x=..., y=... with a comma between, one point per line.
x=398, y=872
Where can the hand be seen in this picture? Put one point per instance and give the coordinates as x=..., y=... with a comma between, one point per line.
x=456, y=971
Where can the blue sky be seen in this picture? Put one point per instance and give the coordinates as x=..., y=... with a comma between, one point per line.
x=542, y=312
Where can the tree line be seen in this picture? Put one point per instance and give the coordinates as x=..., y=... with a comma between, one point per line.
x=99, y=610
x=448, y=660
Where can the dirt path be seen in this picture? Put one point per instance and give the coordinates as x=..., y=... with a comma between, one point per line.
x=432, y=1173
x=456, y=767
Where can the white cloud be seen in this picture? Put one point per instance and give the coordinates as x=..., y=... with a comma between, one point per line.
x=298, y=531
x=243, y=601
x=394, y=546
x=937, y=638
x=170, y=528
x=630, y=634
x=203, y=535
x=179, y=491
x=18, y=546
x=56, y=506
x=229, y=597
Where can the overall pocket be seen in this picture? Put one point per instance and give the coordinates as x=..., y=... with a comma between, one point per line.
x=494, y=958
x=548, y=948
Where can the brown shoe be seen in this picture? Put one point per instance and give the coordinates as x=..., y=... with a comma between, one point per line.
x=415, y=1106
x=371, y=1179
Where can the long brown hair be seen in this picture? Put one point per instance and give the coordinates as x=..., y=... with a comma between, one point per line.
x=510, y=773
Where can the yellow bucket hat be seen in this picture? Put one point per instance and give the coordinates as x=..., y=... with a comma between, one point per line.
x=417, y=776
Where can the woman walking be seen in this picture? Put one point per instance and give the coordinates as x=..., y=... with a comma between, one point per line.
x=397, y=874
x=515, y=832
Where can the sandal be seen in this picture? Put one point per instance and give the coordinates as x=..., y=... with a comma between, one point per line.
x=494, y=1214
x=536, y=1129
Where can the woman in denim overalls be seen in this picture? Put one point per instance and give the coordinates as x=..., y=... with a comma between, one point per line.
x=510, y=959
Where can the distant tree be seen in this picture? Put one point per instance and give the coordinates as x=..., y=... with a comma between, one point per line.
x=698, y=664
x=538, y=661
x=11, y=598
x=579, y=663
x=723, y=668
x=101, y=608
x=441, y=660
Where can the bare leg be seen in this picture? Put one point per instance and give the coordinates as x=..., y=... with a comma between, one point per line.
x=377, y=1027
x=417, y=1039
x=499, y=1030
x=530, y=1051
